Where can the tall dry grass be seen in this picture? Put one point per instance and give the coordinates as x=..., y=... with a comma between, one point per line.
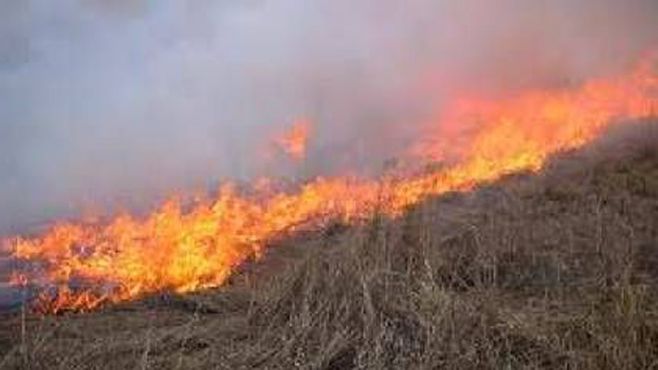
x=556, y=270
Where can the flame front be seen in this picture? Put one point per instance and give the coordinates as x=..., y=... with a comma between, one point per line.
x=183, y=251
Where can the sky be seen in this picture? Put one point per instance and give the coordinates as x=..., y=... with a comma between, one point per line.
x=110, y=104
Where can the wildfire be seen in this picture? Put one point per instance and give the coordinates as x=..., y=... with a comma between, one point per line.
x=185, y=250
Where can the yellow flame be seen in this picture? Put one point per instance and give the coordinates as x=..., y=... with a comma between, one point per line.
x=185, y=251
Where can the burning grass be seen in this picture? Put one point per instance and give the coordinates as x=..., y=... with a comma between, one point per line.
x=186, y=250
x=554, y=270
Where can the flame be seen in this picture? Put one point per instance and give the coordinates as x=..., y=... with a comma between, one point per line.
x=181, y=250
x=294, y=142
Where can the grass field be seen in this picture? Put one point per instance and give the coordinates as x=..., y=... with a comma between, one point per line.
x=551, y=270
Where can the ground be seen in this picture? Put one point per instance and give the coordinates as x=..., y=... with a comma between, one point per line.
x=556, y=269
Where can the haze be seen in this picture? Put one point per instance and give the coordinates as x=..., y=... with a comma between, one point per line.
x=110, y=104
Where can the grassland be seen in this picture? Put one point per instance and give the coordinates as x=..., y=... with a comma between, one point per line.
x=551, y=270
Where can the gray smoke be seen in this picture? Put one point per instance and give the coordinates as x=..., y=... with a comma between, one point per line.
x=121, y=102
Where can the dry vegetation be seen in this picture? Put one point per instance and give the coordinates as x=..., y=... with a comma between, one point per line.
x=556, y=270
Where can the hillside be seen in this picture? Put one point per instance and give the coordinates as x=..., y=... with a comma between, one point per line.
x=551, y=270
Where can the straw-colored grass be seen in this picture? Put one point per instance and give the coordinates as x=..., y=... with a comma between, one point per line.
x=550, y=270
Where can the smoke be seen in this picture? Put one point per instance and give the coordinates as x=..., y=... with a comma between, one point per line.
x=121, y=102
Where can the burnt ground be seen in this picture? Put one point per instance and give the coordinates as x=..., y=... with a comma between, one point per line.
x=551, y=270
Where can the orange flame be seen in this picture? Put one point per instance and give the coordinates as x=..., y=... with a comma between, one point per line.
x=183, y=251
x=295, y=141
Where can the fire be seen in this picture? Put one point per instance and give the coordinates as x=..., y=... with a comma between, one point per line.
x=182, y=250
x=294, y=142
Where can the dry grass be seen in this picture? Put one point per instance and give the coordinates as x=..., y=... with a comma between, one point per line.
x=556, y=270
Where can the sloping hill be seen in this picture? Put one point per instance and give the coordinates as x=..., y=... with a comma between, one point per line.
x=550, y=270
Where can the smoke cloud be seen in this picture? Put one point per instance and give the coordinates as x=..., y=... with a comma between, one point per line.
x=122, y=102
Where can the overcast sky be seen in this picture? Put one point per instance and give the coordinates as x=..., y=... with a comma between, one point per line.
x=118, y=102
